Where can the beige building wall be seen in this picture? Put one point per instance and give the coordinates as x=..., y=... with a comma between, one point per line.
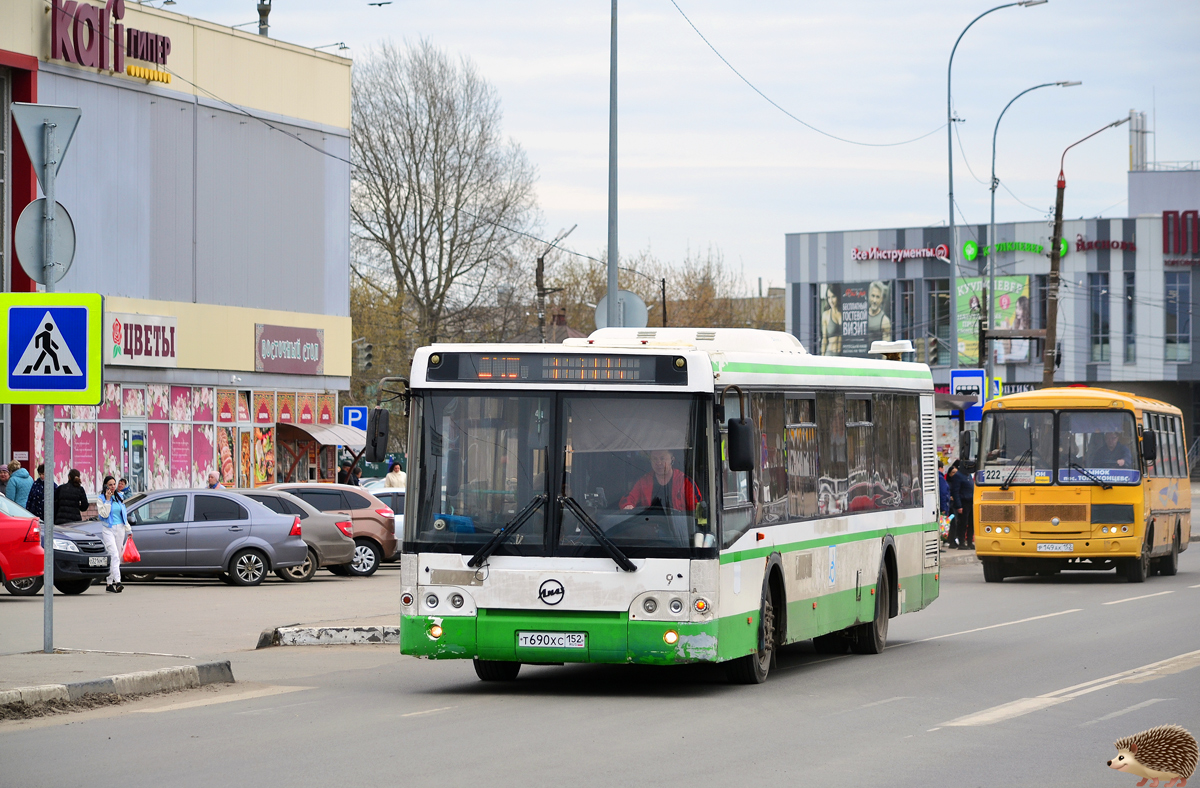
x=222, y=337
x=242, y=68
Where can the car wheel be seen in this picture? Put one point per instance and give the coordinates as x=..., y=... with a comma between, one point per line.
x=496, y=671
x=72, y=587
x=302, y=573
x=993, y=570
x=367, y=556
x=136, y=577
x=26, y=586
x=247, y=568
x=341, y=570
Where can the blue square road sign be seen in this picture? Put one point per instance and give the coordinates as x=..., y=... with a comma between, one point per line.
x=52, y=345
x=355, y=416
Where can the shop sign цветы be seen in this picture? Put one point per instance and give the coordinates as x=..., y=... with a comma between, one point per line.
x=288, y=349
x=139, y=340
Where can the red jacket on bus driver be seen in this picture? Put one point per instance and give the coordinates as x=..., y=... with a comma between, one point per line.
x=684, y=493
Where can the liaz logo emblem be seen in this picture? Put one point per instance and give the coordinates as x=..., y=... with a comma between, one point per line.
x=551, y=592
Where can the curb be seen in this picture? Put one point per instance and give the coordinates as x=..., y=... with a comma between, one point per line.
x=140, y=683
x=958, y=557
x=329, y=636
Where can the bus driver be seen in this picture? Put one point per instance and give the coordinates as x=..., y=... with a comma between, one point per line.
x=664, y=486
x=1112, y=453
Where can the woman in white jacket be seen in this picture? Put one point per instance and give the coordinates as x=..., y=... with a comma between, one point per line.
x=112, y=514
x=396, y=477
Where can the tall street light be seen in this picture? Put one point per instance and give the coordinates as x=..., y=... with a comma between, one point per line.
x=950, y=170
x=1055, y=259
x=991, y=250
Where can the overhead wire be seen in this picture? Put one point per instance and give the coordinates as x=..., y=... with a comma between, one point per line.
x=777, y=106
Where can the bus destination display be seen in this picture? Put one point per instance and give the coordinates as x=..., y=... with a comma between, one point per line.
x=557, y=368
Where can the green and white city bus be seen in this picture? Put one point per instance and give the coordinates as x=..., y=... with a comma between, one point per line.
x=663, y=496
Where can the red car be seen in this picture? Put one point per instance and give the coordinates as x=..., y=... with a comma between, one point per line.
x=21, y=557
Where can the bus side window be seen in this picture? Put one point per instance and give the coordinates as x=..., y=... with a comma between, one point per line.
x=1177, y=442
x=1184, y=471
x=802, y=464
x=832, y=484
x=1147, y=436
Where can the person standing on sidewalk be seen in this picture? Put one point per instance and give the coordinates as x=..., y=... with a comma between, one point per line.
x=37, y=494
x=116, y=525
x=962, y=491
x=395, y=477
x=70, y=500
x=943, y=491
x=19, y=483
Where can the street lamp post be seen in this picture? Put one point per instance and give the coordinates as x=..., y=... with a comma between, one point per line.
x=991, y=249
x=540, y=282
x=952, y=243
x=1055, y=260
x=662, y=282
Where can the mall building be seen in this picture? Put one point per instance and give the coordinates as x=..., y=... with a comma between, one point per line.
x=1125, y=314
x=209, y=189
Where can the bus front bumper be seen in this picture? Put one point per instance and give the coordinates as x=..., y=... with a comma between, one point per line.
x=989, y=546
x=610, y=637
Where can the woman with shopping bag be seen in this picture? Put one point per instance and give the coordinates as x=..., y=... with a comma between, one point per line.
x=111, y=511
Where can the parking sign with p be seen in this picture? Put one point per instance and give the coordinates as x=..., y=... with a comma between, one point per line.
x=355, y=416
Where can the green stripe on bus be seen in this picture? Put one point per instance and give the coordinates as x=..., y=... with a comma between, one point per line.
x=858, y=536
x=783, y=369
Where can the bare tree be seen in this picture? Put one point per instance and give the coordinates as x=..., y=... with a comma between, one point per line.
x=439, y=196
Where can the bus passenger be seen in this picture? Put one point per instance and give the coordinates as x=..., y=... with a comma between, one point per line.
x=664, y=486
x=1111, y=454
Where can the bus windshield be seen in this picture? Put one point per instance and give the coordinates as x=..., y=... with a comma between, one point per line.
x=1017, y=447
x=633, y=466
x=1097, y=447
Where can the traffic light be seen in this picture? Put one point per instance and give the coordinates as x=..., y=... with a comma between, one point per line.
x=368, y=356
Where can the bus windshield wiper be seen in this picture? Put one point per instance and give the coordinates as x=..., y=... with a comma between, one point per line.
x=1013, y=474
x=1077, y=467
x=590, y=524
x=508, y=530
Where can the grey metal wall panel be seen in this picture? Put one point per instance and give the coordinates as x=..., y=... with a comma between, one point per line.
x=150, y=171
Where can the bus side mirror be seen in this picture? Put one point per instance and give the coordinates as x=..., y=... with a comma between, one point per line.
x=377, y=435
x=1149, y=447
x=968, y=448
x=453, y=472
x=741, y=445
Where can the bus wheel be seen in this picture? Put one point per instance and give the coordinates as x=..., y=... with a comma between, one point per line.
x=1168, y=565
x=496, y=671
x=753, y=668
x=1136, y=569
x=993, y=571
x=871, y=638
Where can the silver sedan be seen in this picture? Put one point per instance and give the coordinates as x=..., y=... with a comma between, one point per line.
x=329, y=537
x=211, y=532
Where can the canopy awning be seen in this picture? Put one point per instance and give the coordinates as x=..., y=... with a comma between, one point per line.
x=326, y=434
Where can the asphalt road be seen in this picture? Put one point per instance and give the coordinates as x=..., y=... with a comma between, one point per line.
x=1028, y=682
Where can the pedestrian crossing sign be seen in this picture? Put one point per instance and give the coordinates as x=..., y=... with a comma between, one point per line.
x=52, y=343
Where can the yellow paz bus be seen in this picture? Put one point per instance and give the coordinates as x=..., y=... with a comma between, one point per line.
x=1081, y=478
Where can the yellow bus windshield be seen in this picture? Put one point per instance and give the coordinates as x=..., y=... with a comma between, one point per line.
x=1034, y=447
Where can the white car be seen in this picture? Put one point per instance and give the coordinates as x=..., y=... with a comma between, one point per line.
x=393, y=497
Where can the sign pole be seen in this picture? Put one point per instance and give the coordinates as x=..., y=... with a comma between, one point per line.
x=50, y=209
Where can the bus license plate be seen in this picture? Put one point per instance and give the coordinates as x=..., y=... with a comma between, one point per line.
x=551, y=640
x=98, y=560
x=1056, y=547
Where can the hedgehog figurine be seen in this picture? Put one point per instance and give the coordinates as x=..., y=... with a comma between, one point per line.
x=1167, y=752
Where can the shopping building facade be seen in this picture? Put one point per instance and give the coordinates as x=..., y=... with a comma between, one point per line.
x=1125, y=304
x=208, y=184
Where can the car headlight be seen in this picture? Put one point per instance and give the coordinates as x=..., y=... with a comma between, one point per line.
x=66, y=545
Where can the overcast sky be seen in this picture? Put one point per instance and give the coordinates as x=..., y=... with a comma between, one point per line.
x=704, y=161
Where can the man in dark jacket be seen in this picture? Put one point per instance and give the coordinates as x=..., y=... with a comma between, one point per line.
x=37, y=494
x=962, y=494
x=943, y=491
x=70, y=500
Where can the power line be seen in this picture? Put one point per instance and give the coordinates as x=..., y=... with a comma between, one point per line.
x=774, y=104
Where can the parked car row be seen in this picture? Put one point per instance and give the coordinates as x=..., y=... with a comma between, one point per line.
x=237, y=535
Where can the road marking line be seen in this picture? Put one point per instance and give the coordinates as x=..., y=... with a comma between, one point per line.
x=881, y=702
x=261, y=692
x=1022, y=706
x=1195, y=586
x=1143, y=596
x=427, y=711
x=1134, y=707
x=993, y=626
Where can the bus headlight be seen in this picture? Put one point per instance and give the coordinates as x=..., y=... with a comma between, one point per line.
x=406, y=599
x=987, y=529
x=701, y=605
x=1124, y=529
x=676, y=606
x=670, y=637
x=431, y=600
x=456, y=601
x=435, y=631
x=1104, y=530
x=650, y=605
x=1007, y=529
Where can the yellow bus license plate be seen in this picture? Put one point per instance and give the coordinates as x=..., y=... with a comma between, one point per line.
x=1055, y=547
